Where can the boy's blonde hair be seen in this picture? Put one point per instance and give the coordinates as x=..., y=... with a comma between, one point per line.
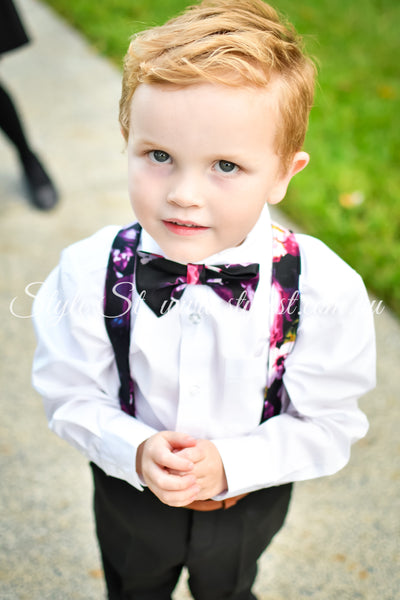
x=233, y=42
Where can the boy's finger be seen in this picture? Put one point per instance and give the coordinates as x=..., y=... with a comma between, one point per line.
x=180, y=498
x=174, y=461
x=179, y=473
x=194, y=454
x=175, y=483
x=178, y=440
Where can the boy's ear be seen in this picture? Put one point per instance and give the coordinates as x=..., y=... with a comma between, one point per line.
x=299, y=162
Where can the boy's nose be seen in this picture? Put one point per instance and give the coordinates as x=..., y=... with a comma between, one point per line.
x=185, y=191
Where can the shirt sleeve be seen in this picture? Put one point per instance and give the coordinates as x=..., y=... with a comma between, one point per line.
x=331, y=366
x=74, y=368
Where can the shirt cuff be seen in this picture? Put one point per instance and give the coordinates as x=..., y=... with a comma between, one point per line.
x=240, y=457
x=119, y=448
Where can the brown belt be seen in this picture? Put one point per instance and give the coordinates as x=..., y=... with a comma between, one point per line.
x=206, y=505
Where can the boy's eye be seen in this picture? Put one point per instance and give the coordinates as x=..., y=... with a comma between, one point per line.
x=159, y=156
x=225, y=166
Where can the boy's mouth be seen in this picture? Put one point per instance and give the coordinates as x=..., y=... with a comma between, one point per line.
x=183, y=227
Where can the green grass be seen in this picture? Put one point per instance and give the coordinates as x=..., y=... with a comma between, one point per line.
x=354, y=134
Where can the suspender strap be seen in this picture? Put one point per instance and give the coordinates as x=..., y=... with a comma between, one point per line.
x=284, y=313
x=117, y=307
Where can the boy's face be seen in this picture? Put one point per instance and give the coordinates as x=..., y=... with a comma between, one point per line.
x=202, y=164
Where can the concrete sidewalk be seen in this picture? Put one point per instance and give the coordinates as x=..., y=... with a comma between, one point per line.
x=341, y=541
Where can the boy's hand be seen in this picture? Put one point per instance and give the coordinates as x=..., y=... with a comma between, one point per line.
x=167, y=472
x=208, y=468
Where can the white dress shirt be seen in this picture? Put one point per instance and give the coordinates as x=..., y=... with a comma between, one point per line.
x=201, y=368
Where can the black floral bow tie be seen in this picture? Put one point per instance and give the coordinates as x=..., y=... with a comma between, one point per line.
x=161, y=282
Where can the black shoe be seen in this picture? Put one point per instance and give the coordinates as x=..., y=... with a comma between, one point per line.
x=41, y=190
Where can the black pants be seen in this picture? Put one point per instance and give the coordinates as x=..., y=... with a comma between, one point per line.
x=145, y=543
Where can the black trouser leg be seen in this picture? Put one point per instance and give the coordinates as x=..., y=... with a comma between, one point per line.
x=145, y=543
x=42, y=191
x=11, y=124
x=225, y=545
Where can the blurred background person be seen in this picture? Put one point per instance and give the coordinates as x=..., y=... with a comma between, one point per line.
x=41, y=189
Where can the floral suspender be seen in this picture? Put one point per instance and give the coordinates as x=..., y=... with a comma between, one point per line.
x=118, y=301
x=284, y=314
x=285, y=305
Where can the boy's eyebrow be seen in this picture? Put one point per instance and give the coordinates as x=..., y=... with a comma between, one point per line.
x=227, y=155
x=148, y=141
x=143, y=141
x=147, y=144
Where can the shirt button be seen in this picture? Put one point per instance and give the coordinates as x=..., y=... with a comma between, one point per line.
x=195, y=318
x=194, y=390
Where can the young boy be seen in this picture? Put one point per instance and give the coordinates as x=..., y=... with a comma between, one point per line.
x=192, y=465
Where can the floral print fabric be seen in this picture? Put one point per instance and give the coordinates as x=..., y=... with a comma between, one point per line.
x=284, y=312
x=117, y=307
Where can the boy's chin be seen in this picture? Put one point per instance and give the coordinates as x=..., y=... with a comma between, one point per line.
x=185, y=257
x=195, y=256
